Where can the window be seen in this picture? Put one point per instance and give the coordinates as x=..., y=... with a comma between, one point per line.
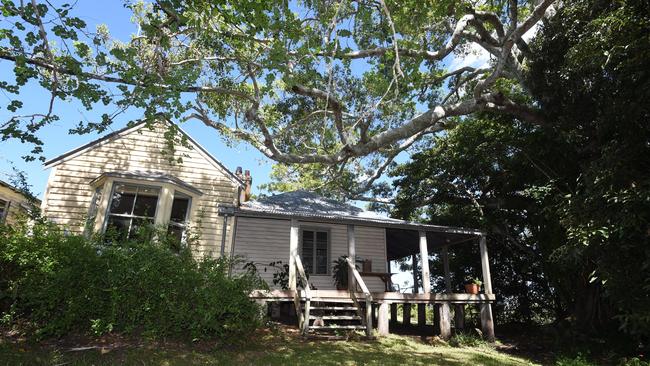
x=178, y=218
x=4, y=210
x=132, y=209
x=315, y=251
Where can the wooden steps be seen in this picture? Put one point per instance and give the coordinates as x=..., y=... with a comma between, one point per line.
x=335, y=317
x=346, y=308
x=336, y=326
x=329, y=315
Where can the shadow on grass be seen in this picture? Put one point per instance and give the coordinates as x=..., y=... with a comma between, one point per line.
x=277, y=349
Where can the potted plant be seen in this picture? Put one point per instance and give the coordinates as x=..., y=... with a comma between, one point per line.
x=340, y=273
x=472, y=285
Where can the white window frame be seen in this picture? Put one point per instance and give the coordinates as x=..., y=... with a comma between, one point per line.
x=6, y=205
x=107, y=214
x=186, y=221
x=316, y=229
x=163, y=206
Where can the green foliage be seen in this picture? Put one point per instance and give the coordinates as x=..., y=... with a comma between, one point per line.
x=474, y=280
x=463, y=339
x=60, y=283
x=566, y=204
x=340, y=272
x=578, y=360
x=591, y=78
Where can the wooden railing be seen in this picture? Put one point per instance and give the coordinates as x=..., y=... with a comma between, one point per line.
x=303, y=318
x=366, y=293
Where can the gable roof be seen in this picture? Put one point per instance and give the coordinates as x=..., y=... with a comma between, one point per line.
x=128, y=129
x=311, y=206
x=19, y=191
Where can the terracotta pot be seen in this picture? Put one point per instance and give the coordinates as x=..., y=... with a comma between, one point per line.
x=471, y=288
x=367, y=266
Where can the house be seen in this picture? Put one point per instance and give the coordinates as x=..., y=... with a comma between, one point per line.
x=15, y=203
x=128, y=180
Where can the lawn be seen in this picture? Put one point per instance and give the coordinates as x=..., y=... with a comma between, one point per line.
x=270, y=347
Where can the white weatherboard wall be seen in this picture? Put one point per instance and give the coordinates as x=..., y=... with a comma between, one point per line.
x=68, y=195
x=262, y=241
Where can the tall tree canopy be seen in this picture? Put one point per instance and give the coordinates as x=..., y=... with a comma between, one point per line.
x=567, y=204
x=342, y=83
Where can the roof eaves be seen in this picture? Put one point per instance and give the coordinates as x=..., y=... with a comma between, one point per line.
x=393, y=223
x=150, y=177
x=50, y=163
x=19, y=191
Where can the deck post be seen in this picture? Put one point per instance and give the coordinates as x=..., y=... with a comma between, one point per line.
x=436, y=316
x=424, y=258
x=445, y=265
x=459, y=316
x=382, y=319
x=415, y=273
x=487, y=322
x=293, y=251
x=375, y=316
x=487, y=325
x=406, y=314
x=445, y=324
x=485, y=266
x=393, y=313
x=422, y=315
x=352, y=254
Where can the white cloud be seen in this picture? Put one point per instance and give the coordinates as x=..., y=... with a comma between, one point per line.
x=474, y=56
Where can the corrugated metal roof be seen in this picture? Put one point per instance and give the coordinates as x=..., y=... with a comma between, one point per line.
x=309, y=205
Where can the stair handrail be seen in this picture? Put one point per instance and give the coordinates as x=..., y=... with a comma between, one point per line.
x=303, y=320
x=366, y=293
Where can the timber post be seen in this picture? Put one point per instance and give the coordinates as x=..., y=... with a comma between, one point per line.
x=352, y=254
x=382, y=319
x=406, y=314
x=487, y=322
x=393, y=314
x=444, y=326
x=424, y=259
x=293, y=252
x=445, y=265
x=422, y=315
x=459, y=316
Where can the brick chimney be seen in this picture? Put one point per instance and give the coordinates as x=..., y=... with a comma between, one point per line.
x=244, y=194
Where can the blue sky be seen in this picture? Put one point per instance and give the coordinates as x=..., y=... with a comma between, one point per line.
x=56, y=137
x=58, y=141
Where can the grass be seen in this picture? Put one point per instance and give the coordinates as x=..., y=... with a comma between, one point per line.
x=270, y=347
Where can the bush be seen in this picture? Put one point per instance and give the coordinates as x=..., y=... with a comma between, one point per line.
x=467, y=340
x=58, y=283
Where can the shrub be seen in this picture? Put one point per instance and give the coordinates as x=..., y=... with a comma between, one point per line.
x=461, y=339
x=59, y=283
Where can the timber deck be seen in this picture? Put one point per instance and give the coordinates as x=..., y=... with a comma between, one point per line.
x=377, y=297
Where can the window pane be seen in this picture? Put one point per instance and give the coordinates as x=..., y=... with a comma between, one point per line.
x=118, y=227
x=321, y=253
x=146, y=201
x=179, y=207
x=3, y=210
x=175, y=235
x=122, y=201
x=141, y=228
x=308, y=251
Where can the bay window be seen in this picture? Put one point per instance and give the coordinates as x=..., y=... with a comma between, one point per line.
x=135, y=203
x=132, y=209
x=179, y=216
